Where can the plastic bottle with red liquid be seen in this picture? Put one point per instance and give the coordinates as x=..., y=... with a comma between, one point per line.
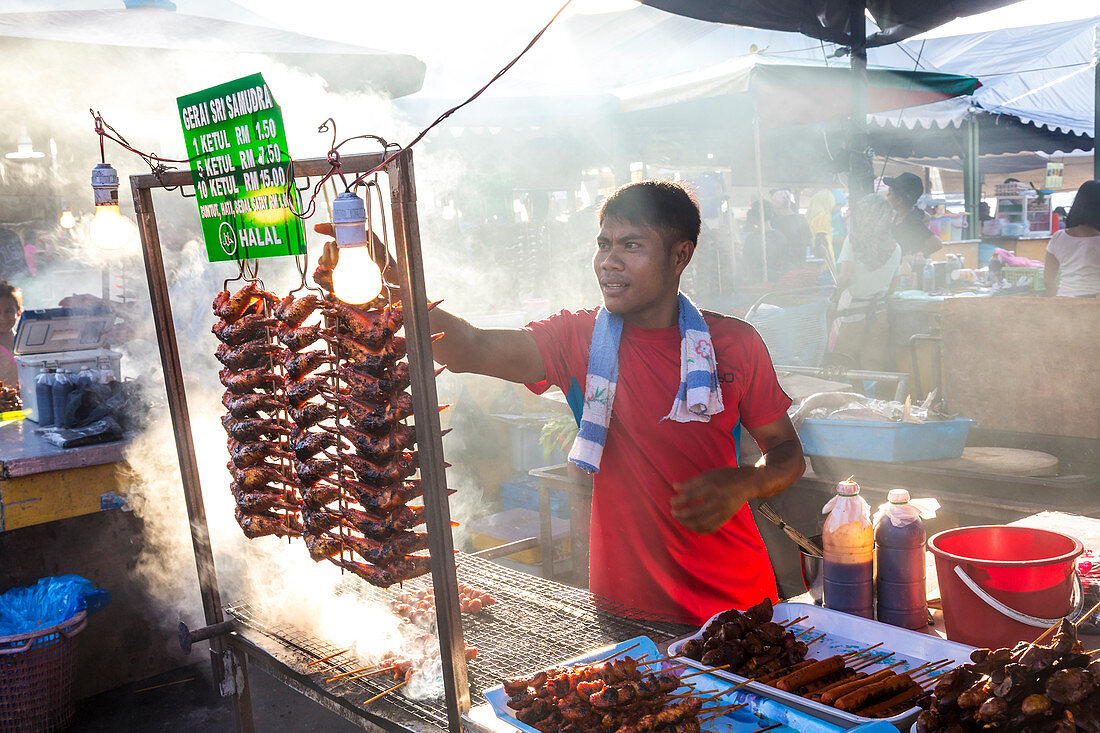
x=848, y=542
x=899, y=559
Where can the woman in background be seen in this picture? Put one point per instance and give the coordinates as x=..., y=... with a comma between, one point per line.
x=1074, y=252
x=868, y=262
x=11, y=305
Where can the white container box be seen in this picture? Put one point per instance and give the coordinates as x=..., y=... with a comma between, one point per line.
x=31, y=364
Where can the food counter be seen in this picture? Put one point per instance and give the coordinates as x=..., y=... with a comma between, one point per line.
x=40, y=482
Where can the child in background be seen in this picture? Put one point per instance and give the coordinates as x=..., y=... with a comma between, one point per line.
x=11, y=305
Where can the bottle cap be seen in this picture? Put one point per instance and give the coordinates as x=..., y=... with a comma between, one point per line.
x=847, y=488
x=898, y=496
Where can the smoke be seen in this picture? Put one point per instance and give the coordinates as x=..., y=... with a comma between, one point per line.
x=49, y=88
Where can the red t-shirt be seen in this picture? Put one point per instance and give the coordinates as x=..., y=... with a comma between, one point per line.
x=640, y=555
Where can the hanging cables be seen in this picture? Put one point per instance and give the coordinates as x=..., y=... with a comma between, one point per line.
x=156, y=163
x=420, y=136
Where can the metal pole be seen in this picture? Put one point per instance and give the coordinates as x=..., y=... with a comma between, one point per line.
x=429, y=441
x=972, y=180
x=1096, y=101
x=859, y=168
x=760, y=192
x=185, y=447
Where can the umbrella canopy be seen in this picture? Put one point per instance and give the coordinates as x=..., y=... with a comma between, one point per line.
x=828, y=20
x=786, y=92
x=344, y=67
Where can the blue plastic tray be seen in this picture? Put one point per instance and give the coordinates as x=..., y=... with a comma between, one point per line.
x=893, y=442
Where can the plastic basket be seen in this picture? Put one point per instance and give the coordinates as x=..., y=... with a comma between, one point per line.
x=1016, y=274
x=36, y=678
x=892, y=442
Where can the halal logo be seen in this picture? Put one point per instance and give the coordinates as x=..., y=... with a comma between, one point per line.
x=227, y=236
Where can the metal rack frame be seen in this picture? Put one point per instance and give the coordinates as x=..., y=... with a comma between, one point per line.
x=229, y=656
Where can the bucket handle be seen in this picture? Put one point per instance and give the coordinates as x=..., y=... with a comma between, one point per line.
x=1023, y=618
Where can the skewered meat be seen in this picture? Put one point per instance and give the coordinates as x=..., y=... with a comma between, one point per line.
x=371, y=328
x=247, y=356
x=379, y=446
x=300, y=363
x=312, y=470
x=310, y=414
x=307, y=445
x=305, y=389
x=348, y=348
x=263, y=524
x=299, y=338
x=388, y=474
x=247, y=328
x=251, y=404
x=294, y=311
x=243, y=382
x=749, y=643
x=375, y=418
x=254, y=503
x=253, y=428
x=230, y=307
x=252, y=454
x=385, y=553
x=255, y=477
x=321, y=548
x=385, y=577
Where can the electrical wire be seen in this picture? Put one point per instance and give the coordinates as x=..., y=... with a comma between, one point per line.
x=420, y=136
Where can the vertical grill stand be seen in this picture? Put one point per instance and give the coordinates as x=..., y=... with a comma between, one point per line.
x=229, y=664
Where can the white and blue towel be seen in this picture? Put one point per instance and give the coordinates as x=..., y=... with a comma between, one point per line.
x=697, y=398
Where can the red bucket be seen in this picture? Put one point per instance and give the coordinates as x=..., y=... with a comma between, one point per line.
x=1001, y=585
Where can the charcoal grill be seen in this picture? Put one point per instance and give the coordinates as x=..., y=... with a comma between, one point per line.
x=535, y=623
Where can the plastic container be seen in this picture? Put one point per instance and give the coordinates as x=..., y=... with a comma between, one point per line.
x=1001, y=585
x=62, y=388
x=43, y=396
x=848, y=542
x=843, y=634
x=899, y=563
x=30, y=364
x=36, y=677
x=894, y=442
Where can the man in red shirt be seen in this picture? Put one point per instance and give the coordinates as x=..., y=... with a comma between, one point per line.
x=671, y=531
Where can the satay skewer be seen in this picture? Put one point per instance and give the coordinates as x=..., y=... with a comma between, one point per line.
x=712, y=713
x=330, y=656
x=793, y=621
x=383, y=694
x=621, y=651
x=855, y=655
x=373, y=672
x=703, y=671
x=865, y=663
x=814, y=641
x=655, y=661
x=805, y=632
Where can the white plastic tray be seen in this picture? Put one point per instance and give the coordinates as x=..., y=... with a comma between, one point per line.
x=746, y=720
x=845, y=633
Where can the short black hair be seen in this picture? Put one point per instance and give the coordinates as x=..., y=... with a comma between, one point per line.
x=1086, y=206
x=669, y=207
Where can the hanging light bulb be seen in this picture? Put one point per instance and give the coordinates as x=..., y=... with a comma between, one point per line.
x=356, y=278
x=107, y=226
x=67, y=220
x=24, y=148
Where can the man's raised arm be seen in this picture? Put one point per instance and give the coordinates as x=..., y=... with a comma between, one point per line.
x=505, y=353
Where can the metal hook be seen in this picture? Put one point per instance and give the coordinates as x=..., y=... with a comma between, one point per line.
x=324, y=127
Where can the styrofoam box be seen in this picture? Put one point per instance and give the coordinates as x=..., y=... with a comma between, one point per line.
x=31, y=364
x=845, y=633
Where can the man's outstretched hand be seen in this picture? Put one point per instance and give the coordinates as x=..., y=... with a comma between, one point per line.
x=706, y=502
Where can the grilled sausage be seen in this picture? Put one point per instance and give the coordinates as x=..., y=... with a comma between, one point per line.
x=831, y=696
x=808, y=674
x=871, y=693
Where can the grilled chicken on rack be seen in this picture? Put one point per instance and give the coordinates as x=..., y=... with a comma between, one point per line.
x=264, y=488
x=346, y=395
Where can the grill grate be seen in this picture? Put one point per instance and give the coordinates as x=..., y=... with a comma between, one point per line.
x=535, y=623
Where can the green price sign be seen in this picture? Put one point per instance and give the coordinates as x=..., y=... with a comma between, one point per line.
x=241, y=170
